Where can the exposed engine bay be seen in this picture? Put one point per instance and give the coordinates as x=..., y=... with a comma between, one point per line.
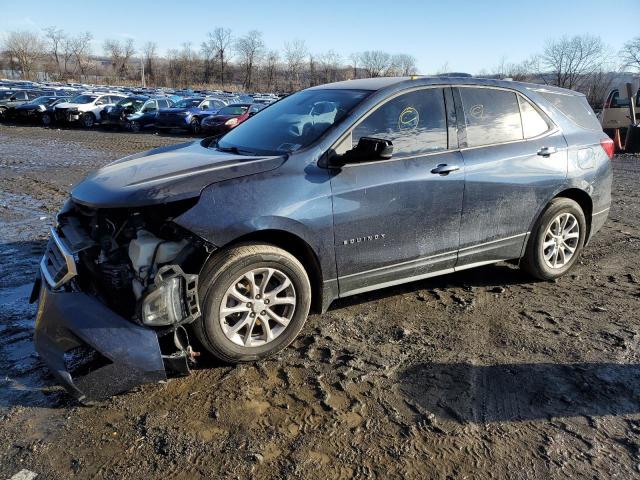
x=139, y=264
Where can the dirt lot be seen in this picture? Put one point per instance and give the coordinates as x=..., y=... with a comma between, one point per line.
x=481, y=374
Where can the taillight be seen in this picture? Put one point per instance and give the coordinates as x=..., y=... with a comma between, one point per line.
x=608, y=147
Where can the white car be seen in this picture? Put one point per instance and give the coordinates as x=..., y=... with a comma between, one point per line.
x=85, y=108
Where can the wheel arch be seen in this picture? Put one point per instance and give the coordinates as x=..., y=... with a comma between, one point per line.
x=582, y=198
x=297, y=247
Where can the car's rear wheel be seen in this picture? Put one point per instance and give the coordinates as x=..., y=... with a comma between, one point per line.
x=255, y=299
x=194, y=126
x=3, y=113
x=556, y=241
x=88, y=120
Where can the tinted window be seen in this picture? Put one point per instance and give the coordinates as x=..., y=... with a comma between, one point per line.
x=533, y=124
x=150, y=106
x=492, y=116
x=415, y=123
x=576, y=108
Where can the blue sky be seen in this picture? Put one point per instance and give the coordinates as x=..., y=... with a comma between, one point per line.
x=465, y=35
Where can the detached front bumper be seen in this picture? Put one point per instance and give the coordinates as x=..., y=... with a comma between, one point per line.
x=93, y=351
x=115, y=354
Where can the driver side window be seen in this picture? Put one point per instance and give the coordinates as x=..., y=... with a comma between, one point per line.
x=415, y=122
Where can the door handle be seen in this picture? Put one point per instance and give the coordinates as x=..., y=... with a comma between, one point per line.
x=547, y=151
x=444, y=169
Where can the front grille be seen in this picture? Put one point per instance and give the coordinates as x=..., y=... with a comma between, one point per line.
x=57, y=265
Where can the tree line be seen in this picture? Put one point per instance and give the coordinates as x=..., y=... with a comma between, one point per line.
x=229, y=61
x=222, y=60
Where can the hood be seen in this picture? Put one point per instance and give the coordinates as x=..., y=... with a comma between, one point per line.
x=221, y=118
x=66, y=105
x=165, y=175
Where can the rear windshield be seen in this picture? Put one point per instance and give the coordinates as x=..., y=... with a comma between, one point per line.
x=575, y=107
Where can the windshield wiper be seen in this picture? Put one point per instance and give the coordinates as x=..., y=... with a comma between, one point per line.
x=235, y=150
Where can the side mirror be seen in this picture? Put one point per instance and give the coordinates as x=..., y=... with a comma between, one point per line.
x=368, y=149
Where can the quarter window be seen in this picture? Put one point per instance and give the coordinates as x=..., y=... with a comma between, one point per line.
x=492, y=116
x=533, y=124
x=415, y=122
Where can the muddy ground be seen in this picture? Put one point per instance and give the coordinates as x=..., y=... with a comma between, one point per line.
x=479, y=374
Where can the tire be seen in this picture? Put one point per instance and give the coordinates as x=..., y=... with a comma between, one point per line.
x=46, y=120
x=225, y=271
x=194, y=126
x=3, y=113
x=534, y=261
x=88, y=120
x=133, y=127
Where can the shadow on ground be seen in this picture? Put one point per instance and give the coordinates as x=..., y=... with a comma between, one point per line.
x=519, y=392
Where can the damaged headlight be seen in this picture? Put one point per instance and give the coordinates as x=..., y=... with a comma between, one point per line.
x=174, y=299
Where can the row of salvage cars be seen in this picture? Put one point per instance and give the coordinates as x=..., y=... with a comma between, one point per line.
x=211, y=114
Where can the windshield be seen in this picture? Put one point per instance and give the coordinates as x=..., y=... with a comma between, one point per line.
x=294, y=122
x=188, y=103
x=233, y=110
x=6, y=94
x=133, y=103
x=42, y=100
x=84, y=99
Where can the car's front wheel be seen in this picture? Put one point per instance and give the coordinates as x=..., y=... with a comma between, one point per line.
x=88, y=120
x=556, y=241
x=255, y=299
x=133, y=127
x=46, y=119
x=194, y=126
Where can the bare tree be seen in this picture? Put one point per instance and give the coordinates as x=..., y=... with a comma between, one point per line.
x=271, y=62
x=571, y=60
x=56, y=40
x=120, y=54
x=149, y=54
x=596, y=87
x=355, y=61
x=294, y=53
x=250, y=49
x=220, y=40
x=630, y=54
x=329, y=64
x=375, y=62
x=403, y=65
x=24, y=49
x=80, y=47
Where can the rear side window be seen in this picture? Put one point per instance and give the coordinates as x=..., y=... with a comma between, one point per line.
x=415, y=122
x=533, y=123
x=492, y=116
x=575, y=107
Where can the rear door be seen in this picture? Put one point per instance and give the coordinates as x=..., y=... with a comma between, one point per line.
x=514, y=159
x=394, y=219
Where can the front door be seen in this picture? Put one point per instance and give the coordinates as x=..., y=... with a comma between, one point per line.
x=397, y=220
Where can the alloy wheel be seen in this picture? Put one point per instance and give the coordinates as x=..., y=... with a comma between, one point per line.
x=561, y=240
x=257, y=307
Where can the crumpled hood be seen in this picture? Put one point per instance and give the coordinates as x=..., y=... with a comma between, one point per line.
x=165, y=175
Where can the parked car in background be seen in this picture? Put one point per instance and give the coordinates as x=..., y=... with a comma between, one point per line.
x=187, y=114
x=32, y=110
x=135, y=113
x=47, y=117
x=227, y=118
x=15, y=99
x=85, y=108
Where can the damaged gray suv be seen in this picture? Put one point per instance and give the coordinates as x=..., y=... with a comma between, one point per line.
x=333, y=191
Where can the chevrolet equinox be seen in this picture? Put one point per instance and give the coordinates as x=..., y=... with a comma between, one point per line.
x=332, y=191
